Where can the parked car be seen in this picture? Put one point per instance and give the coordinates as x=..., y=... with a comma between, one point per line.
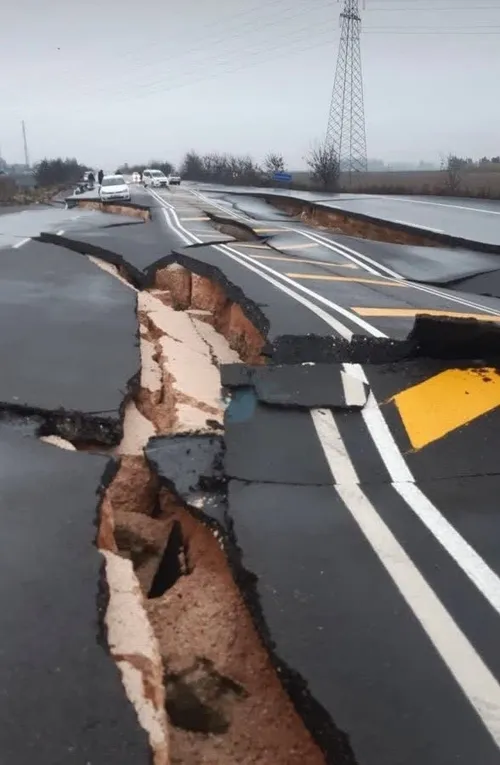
x=174, y=180
x=114, y=187
x=155, y=178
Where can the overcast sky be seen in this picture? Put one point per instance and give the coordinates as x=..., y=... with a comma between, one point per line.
x=110, y=81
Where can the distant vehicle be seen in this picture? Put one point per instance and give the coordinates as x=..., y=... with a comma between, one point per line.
x=152, y=177
x=136, y=177
x=114, y=187
x=174, y=180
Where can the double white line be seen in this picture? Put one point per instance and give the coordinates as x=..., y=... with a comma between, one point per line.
x=467, y=667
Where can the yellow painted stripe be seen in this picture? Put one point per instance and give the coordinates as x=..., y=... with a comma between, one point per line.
x=403, y=313
x=251, y=246
x=360, y=279
x=447, y=401
x=309, y=262
x=268, y=230
x=201, y=218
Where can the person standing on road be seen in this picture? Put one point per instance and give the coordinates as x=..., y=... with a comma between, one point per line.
x=100, y=176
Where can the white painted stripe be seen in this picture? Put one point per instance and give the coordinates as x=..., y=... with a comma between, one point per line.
x=361, y=259
x=340, y=328
x=455, y=545
x=414, y=225
x=339, y=462
x=472, y=675
x=17, y=245
x=474, y=567
x=354, y=390
x=442, y=204
x=246, y=261
x=482, y=576
x=470, y=672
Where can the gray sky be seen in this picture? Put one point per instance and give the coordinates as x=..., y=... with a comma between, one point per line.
x=115, y=80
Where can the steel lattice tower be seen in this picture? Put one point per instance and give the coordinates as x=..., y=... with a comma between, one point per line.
x=346, y=122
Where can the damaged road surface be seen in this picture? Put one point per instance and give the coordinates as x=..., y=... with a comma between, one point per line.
x=243, y=523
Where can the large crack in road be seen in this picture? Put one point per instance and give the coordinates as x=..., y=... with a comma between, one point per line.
x=184, y=619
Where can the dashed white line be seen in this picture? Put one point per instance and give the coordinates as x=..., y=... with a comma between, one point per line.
x=17, y=245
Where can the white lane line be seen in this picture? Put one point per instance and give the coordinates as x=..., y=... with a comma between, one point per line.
x=251, y=264
x=416, y=225
x=442, y=204
x=17, y=245
x=355, y=392
x=340, y=328
x=482, y=576
x=468, y=669
x=339, y=462
x=359, y=259
x=374, y=267
x=464, y=555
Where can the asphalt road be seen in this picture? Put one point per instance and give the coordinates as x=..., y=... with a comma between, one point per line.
x=361, y=489
x=466, y=219
x=371, y=530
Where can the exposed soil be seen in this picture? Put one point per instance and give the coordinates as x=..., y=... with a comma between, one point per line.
x=191, y=291
x=110, y=207
x=340, y=223
x=223, y=699
x=225, y=703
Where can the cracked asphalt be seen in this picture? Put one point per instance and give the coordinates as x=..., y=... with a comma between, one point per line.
x=359, y=476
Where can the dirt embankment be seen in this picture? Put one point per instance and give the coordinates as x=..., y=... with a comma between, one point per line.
x=345, y=223
x=192, y=662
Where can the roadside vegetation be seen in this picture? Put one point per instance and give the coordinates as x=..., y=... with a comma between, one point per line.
x=457, y=176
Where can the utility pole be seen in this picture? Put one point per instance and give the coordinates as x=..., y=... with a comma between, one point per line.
x=346, y=122
x=26, y=155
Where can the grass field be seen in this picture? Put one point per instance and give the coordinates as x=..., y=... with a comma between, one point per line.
x=482, y=183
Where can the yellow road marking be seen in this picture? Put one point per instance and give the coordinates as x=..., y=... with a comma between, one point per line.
x=299, y=246
x=412, y=312
x=446, y=402
x=202, y=218
x=251, y=246
x=310, y=262
x=359, y=279
x=269, y=230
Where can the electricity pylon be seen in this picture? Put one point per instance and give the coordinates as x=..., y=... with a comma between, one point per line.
x=346, y=122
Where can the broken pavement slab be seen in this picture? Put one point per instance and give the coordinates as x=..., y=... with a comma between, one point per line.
x=67, y=340
x=341, y=634
x=191, y=466
x=132, y=248
x=55, y=672
x=299, y=385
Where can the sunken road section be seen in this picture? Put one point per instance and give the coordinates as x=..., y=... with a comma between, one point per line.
x=171, y=514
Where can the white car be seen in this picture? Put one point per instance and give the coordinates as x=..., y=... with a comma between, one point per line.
x=114, y=187
x=174, y=180
x=136, y=177
x=156, y=178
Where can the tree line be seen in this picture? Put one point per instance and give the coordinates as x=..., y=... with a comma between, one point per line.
x=212, y=168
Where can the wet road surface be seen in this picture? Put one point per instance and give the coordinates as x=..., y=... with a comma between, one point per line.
x=361, y=492
x=370, y=531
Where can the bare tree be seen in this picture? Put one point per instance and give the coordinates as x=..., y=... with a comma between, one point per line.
x=325, y=166
x=274, y=163
x=453, y=167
